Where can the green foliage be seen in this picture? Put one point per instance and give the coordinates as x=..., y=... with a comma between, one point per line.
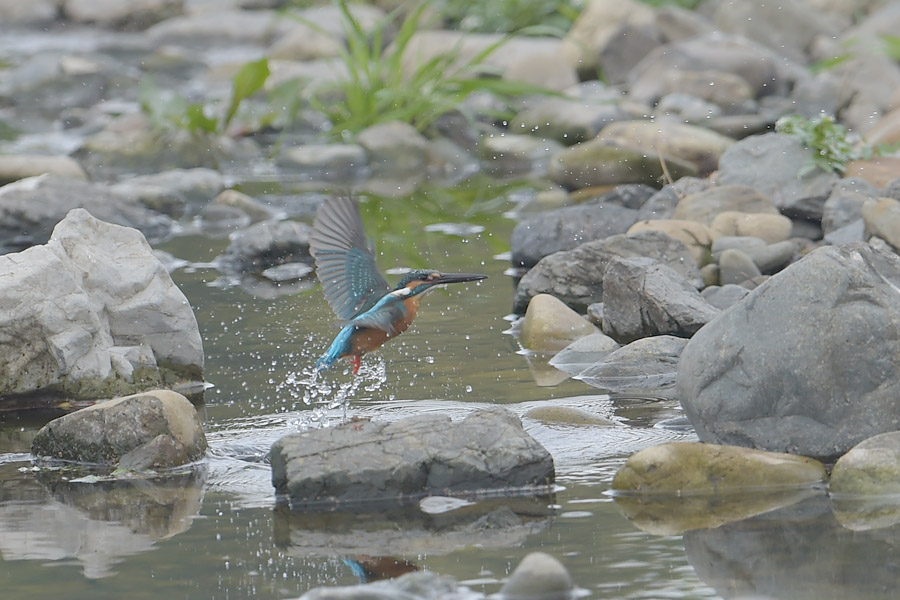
x=891, y=46
x=507, y=16
x=169, y=110
x=688, y=4
x=379, y=88
x=830, y=142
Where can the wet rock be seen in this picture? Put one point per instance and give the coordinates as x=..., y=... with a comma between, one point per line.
x=267, y=244
x=770, y=228
x=566, y=120
x=706, y=58
x=423, y=585
x=736, y=267
x=576, y=276
x=643, y=297
x=31, y=207
x=550, y=325
x=326, y=162
x=28, y=13
x=695, y=468
x=782, y=392
x=539, y=577
x=196, y=186
x=584, y=352
x=771, y=163
x=882, y=218
x=395, y=149
x=647, y=365
x=662, y=204
x=844, y=204
x=724, y=296
x=366, y=461
x=250, y=206
x=506, y=155
x=597, y=163
x=13, y=168
x=220, y=27
x=696, y=236
x=158, y=429
x=772, y=257
x=565, y=228
x=566, y=415
x=95, y=314
x=122, y=14
x=872, y=467
x=704, y=206
x=670, y=138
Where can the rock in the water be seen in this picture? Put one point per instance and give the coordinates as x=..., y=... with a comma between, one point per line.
x=91, y=314
x=647, y=364
x=643, y=297
x=804, y=363
x=31, y=207
x=368, y=461
x=395, y=149
x=598, y=162
x=158, y=429
x=566, y=415
x=566, y=228
x=550, y=325
x=19, y=166
x=576, y=276
x=508, y=154
x=583, y=352
x=420, y=585
x=695, y=468
x=705, y=205
x=872, y=467
x=540, y=577
x=267, y=244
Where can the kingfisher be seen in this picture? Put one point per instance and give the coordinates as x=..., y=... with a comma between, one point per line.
x=360, y=296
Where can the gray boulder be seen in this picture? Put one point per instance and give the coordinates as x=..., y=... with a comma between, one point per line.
x=566, y=228
x=369, y=461
x=539, y=576
x=771, y=164
x=31, y=207
x=576, y=276
x=647, y=364
x=643, y=297
x=423, y=585
x=151, y=430
x=267, y=244
x=844, y=205
x=724, y=296
x=804, y=363
x=91, y=314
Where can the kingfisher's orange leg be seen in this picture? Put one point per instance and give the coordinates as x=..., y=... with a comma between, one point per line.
x=355, y=361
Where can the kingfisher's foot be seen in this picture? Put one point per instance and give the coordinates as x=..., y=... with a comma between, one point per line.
x=356, y=364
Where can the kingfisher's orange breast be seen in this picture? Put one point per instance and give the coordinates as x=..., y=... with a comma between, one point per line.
x=369, y=339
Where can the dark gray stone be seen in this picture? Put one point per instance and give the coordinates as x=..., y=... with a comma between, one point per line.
x=736, y=267
x=539, y=576
x=267, y=244
x=647, y=364
x=567, y=228
x=643, y=297
x=576, y=276
x=661, y=205
x=30, y=208
x=852, y=232
x=771, y=163
x=844, y=204
x=806, y=362
x=157, y=429
x=368, y=461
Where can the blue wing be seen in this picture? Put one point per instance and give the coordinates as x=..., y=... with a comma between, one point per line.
x=345, y=262
x=388, y=310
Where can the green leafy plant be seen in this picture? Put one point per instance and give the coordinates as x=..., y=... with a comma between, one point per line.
x=169, y=110
x=508, y=16
x=832, y=145
x=378, y=86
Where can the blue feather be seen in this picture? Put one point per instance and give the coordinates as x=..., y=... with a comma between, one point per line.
x=339, y=347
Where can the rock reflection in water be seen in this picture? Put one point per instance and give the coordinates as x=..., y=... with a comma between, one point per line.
x=491, y=523
x=800, y=551
x=96, y=524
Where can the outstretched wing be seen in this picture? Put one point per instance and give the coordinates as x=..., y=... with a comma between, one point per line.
x=387, y=311
x=345, y=262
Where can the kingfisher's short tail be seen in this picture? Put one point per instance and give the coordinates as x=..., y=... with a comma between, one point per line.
x=339, y=347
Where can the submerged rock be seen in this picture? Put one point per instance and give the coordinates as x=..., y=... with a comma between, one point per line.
x=804, y=363
x=92, y=313
x=550, y=325
x=152, y=430
x=648, y=364
x=539, y=576
x=423, y=585
x=371, y=462
x=583, y=352
x=267, y=244
x=694, y=468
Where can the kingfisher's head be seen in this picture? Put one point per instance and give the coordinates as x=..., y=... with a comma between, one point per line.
x=422, y=280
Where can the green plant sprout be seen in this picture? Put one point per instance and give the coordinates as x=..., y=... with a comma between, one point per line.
x=832, y=145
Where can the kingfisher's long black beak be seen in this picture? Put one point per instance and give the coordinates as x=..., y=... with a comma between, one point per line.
x=457, y=278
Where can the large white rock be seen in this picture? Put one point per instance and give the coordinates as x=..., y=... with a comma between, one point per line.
x=93, y=313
